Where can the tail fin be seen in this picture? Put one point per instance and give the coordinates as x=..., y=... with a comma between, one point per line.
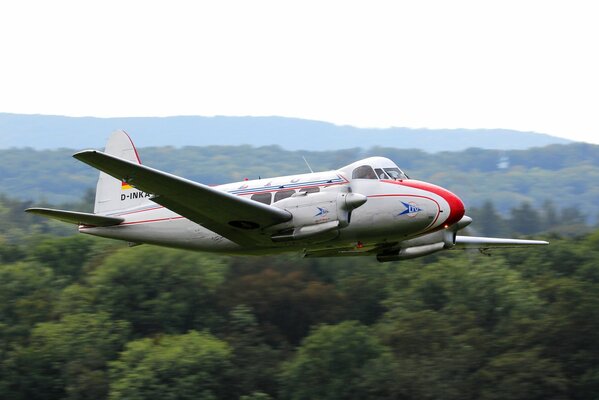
x=112, y=194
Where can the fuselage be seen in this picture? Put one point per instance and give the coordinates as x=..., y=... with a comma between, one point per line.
x=396, y=209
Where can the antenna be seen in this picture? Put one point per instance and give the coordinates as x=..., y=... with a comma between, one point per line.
x=310, y=168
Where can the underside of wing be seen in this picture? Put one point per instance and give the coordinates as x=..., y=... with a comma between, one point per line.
x=336, y=252
x=233, y=217
x=408, y=249
x=485, y=243
x=352, y=251
x=75, y=217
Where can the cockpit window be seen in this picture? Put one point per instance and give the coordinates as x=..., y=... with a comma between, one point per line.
x=396, y=173
x=380, y=173
x=363, y=172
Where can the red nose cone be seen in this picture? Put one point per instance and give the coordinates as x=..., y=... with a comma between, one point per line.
x=456, y=206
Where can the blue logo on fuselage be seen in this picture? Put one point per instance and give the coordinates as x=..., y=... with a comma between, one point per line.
x=410, y=209
x=321, y=211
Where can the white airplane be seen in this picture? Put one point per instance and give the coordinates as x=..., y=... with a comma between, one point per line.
x=367, y=208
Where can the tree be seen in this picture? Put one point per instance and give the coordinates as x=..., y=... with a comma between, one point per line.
x=66, y=256
x=255, y=362
x=27, y=290
x=68, y=359
x=488, y=221
x=525, y=220
x=522, y=375
x=550, y=215
x=190, y=366
x=286, y=304
x=334, y=362
x=447, y=320
x=569, y=333
x=159, y=290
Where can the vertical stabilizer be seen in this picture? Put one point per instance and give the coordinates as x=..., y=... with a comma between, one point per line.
x=112, y=194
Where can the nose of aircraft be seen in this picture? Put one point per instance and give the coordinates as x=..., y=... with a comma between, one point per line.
x=456, y=205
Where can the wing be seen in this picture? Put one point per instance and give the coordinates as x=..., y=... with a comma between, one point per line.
x=233, y=217
x=485, y=243
x=461, y=242
x=74, y=217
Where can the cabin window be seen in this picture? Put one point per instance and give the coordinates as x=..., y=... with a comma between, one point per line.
x=364, y=172
x=380, y=173
x=262, y=197
x=310, y=190
x=283, y=194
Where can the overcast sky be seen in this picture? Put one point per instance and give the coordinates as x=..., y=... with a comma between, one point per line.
x=526, y=65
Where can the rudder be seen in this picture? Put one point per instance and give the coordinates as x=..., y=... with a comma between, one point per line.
x=112, y=194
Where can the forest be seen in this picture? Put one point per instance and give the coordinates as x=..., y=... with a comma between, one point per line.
x=90, y=318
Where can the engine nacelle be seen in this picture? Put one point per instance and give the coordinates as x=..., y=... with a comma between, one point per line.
x=411, y=252
x=316, y=216
x=421, y=246
x=447, y=236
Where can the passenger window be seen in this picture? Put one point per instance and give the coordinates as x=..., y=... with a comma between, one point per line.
x=262, y=197
x=283, y=194
x=363, y=172
x=381, y=174
x=310, y=190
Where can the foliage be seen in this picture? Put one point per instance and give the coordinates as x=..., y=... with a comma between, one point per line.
x=190, y=366
x=335, y=362
x=85, y=317
x=158, y=290
x=68, y=358
x=285, y=303
x=26, y=295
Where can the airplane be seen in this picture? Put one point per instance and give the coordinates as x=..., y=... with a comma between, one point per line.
x=367, y=208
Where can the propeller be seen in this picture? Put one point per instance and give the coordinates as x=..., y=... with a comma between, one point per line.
x=350, y=202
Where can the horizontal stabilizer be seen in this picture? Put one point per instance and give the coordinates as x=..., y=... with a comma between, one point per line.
x=74, y=217
x=491, y=243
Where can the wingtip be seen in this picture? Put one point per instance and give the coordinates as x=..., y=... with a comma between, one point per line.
x=81, y=154
x=35, y=210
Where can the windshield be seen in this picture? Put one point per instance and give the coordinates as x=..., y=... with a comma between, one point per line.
x=396, y=173
x=381, y=174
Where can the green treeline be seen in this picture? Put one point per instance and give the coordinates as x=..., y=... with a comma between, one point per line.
x=564, y=174
x=88, y=318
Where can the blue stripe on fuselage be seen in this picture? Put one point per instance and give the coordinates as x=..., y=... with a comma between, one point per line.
x=275, y=188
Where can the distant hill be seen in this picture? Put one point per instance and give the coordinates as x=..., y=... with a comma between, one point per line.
x=53, y=132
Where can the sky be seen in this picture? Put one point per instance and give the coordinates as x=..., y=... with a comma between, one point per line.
x=524, y=65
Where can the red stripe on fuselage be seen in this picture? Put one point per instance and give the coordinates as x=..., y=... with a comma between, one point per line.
x=150, y=220
x=136, y=211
